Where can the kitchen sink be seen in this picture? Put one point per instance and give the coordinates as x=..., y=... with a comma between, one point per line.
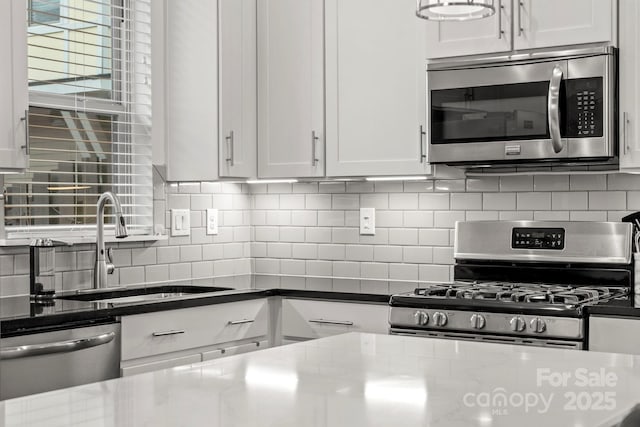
x=135, y=295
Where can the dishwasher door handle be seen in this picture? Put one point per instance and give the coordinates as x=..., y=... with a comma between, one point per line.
x=55, y=347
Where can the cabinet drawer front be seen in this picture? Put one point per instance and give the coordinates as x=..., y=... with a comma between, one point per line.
x=316, y=319
x=614, y=334
x=164, y=332
x=160, y=364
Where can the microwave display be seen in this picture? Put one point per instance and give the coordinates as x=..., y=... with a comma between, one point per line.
x=515, y=112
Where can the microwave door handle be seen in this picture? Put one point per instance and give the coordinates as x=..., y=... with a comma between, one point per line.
x=553, y=109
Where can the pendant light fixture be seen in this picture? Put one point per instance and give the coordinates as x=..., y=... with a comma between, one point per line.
x=456, y=10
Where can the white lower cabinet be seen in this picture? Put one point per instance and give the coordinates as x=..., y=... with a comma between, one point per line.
x=310, y=319
x=165, y=339
x=614, y=334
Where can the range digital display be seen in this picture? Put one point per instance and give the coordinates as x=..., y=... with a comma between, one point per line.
x=538, y=238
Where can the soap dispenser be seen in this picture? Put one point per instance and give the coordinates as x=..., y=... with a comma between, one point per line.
x=42, y=263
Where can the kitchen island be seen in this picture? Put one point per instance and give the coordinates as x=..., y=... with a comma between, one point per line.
x=357, y=380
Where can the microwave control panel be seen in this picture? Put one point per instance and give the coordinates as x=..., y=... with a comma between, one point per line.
x=538, y=238
x=585, y=112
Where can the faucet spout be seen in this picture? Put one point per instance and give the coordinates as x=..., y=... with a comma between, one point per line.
x=101, y=266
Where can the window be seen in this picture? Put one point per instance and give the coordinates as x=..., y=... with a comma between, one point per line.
x=89, y=118
x=43, y=12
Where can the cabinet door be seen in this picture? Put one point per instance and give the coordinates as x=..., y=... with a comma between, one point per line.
x=546, y=23
x=238, y=91
x=614, y=335
x=376, y=94
x=629, y=69
x=308, y=319
x=290, y=88
x=487, y=35
x=13, y=86
x=191, y=90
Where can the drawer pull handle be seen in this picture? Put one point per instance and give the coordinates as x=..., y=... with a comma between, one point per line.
x=240, y=322
x=332, y=322
x=166, y=333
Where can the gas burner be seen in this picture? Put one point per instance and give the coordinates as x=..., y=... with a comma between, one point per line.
x=526, y=293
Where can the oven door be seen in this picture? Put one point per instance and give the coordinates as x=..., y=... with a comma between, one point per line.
x=549, y=110
x=502, y=339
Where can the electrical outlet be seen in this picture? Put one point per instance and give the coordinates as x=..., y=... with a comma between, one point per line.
x=367, y=221
x=180, y=222
x=212, y=221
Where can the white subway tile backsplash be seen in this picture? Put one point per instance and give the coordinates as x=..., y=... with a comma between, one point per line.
x=516, y=183
x=202, y=269
x=516, y=216
x=388, y=186
x=345, y=235
x=449, y=186
x=232, y=250
x=403, y=236
x=533, y=201
x=607, y=200
x=374, y=287
x=482, y=216
x=305, y=187
x=267, y=234
x=374, y=270
x=633, y=200
x=403, y=271
x=318, y=234
x=387, y=253
x=190, y=253
x=374, y=200
x=331, y=187
x=587, y=182
x=551, y=216
x=189, y=187
x=131, y=275
x=304, y=250
x=483, y=184
x=278, y=217
x=417, y=254
x=267, y=201
x=617, y=215
x=215, y=251
x=304, y=218
x=447, y=219
x=318, y=201
x=345, y=201
x=433, y=202
x=346, y=269
x=422, y=219
x=292, y=201
x=319, y=284
x=499, y=201
x=331, y=252
x=565, y=200
x=331, y=218
x=280, y=187
x=319, y=268
x=551, y=183
x=443, y=255
x=179, y=201
x=388, y=219
x=200, y=202
x=279, y=250
x=292, y=234
x=359, y=253
x=6, y=264
x=168, y=254
x=21, y=264
x=418, y=186
x=433, y=237
x=267, y=266
x=360, y=187
x=434, y=273
x=622, y=181
x=403, y=201
x=222, y=201
x=141, y=256
x=466, y=201
x=588, y=216
x=156, y=273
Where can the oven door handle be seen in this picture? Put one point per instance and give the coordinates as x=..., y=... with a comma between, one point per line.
x=55, y=347
x=553, y=109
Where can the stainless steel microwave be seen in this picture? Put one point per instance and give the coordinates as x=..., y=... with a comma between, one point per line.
x=526, y=109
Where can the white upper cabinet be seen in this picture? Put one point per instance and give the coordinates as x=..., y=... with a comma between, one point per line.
x=375, y=77
x=238, y=108
x=290, y=88
x=547, y=23
x=13, y=86
x=487, y=35
x=525, y=24
x=191, y=72
x=629, y=69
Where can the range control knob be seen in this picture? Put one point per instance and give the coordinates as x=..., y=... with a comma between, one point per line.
x=440, y=319
x=517, y=324
x=538, y=325
x=421, y=318
x=478, y=321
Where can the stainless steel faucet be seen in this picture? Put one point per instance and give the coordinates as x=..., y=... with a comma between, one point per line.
x=101, y=266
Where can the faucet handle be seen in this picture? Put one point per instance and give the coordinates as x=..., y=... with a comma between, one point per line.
x=110, y=266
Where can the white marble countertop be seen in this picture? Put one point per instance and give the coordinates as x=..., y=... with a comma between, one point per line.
x=357, y=380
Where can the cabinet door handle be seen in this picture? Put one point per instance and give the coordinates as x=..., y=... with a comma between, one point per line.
x=314, y=143
x=625, y=123
x=500, y=30
x=421, y=135
x=166, y=333
x=240, y=322
x=230, y=152
x=55, y=347
x=520, y=29
x=332, y=322
x=27, y=145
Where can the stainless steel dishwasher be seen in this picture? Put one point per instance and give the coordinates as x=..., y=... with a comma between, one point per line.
x=64, y=358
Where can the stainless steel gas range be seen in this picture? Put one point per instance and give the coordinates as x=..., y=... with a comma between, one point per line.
x=521, y=282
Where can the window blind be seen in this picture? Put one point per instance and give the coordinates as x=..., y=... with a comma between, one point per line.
x=89, y=70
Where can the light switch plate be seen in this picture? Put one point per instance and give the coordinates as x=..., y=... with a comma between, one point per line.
x=367, y=221
x=212, y=221
x=180, y=222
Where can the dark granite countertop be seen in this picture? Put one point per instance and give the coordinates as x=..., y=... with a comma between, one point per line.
x=18, y=315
